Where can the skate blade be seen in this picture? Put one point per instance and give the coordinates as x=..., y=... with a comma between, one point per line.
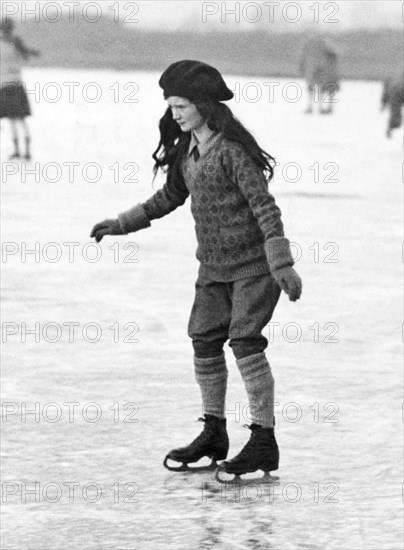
x=238, y=480
x=186, y=468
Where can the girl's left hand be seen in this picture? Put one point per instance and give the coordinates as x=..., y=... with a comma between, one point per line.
x=289, y=281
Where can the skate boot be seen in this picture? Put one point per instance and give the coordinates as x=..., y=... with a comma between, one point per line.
x=213, y=442
x=260, y=453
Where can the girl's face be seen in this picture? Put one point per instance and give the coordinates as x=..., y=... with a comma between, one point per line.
x=185, y=114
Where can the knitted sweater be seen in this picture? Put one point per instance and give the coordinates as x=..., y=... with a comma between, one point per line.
x=238, y=225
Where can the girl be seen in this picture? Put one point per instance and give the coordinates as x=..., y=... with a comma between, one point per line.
x=14, y=103
x=245, y=259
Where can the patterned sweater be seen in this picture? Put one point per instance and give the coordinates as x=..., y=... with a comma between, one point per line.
x=238, y=225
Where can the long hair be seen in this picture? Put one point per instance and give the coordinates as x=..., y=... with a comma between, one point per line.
x=174, y=142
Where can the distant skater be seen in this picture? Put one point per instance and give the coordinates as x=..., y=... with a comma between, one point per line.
x=319, y=67
x=393, y=97
x=245, y=258
x=14, y=103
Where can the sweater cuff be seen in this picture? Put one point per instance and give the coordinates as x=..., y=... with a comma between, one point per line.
x=277, y=251
x=133, y=219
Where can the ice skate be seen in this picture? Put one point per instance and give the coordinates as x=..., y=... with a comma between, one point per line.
x=212, y=442
x=260, y=453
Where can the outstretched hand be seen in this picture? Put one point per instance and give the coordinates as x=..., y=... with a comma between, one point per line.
x=107, y=227
x=289, y=281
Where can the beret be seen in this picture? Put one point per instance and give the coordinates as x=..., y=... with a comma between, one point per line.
x=194, y=80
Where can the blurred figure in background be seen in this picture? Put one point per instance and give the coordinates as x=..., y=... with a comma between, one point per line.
x=319, y=67
x=14, y=103
x=393, y=96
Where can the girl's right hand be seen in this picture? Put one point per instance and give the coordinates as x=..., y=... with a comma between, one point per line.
x=107, y=227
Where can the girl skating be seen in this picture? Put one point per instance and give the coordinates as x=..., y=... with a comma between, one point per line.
x=244, y=257
x=14, y=103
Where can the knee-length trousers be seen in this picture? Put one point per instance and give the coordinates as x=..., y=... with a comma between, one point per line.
x=236, y=311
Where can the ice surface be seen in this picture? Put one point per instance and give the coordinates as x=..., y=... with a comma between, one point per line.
x=354, y=461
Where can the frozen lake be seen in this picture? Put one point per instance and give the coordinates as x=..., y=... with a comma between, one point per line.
x=86, y=470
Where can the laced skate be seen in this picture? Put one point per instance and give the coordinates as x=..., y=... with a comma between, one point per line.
x=212, y=442
x=260, y=453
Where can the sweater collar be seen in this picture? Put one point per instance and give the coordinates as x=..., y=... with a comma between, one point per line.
x=204, y=147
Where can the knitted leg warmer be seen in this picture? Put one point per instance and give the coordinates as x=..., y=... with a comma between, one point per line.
x=211, y=375
x=259, y=383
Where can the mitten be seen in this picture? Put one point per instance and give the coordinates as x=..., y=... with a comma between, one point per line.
x=289, y=281
x=280, y=262
x=127, y=222
x=107, y=227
